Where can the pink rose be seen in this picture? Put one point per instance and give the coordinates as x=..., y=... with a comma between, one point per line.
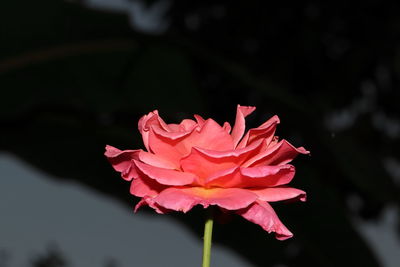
x=198, y=162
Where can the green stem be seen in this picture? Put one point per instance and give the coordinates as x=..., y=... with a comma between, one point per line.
x=207, y=239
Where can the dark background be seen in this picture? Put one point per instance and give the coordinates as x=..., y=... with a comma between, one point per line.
x=73, y=79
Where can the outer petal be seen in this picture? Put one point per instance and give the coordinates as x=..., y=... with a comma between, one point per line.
x=199, y=119
x=144, y=128
x=142, y=187
x=280, y=193
x=278, y=154
x=263, y=214
x=240, y=126
x=149, y=201
x=122, y=161
x=165, y=176
x=165, y=148
x=265, y=176
x=265, y=131
x=156, y=161
x=183, y=199
x=204, y=163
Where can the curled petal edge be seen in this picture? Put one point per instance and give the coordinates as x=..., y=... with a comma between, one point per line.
x=121, y=161
x=240, y=124
x=149, y=201
x=280, y=193
x=265, y=131
x=263, y=214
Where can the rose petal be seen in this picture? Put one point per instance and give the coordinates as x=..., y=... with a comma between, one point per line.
x=211, y=136
x=263, y=214
x=144, y=186
x=165, y=176
x=130, y=173
x=265, y=131
x=204, y=162
x=238, y=129
x=278, y=154
x=264, y=176
x=245, y=152
x=165, y=148
x=280, y=193
x=184, y=126
x=267, y=150
x=227, y=127
x=187, y=124
x=122, y=160
x=152, y=119
x=149, y=201
x=171, y=135
x=175, y=146
x=144, y=126
x=225, y=178
x=200, y=120
x=183, y=199
x=155, y=160
x=267, y=175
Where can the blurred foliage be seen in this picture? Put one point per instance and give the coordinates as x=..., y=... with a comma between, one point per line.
x=74, y=79
x=52, y=258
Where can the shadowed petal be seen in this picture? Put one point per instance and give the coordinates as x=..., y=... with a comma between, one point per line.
x=130, y=173
x=144, y=186
x=183, y=199
x=122, y=161
x=263, y=214
x=240, y=125
x=280, y=193
x=165, y=176
x=149, y=201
